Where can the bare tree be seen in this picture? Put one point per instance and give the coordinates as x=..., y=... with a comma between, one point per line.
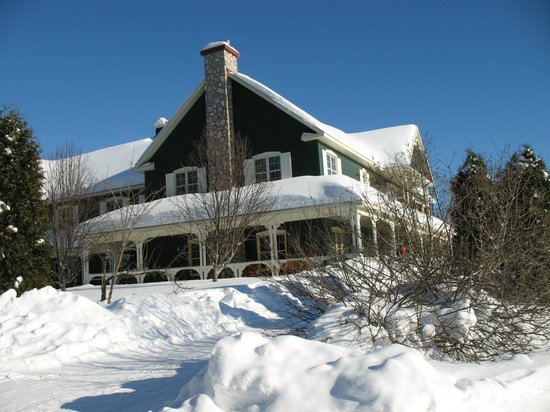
x=69, y=179
x=223, y=214
x=112, y=235
x=422, y=290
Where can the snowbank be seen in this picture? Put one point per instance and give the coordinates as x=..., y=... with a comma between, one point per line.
x=45, y=328
x=250, y=372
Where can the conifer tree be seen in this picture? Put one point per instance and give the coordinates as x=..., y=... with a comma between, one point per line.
x=525, y=179
x=23, y=217
x=471, y=205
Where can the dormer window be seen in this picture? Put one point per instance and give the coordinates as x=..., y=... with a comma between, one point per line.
x=268, y=167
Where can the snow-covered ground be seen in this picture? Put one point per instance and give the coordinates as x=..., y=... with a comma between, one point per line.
x=226, y=347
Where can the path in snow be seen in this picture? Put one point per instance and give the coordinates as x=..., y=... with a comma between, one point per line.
x=169, y=340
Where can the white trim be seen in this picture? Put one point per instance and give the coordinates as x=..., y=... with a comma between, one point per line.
x=364, y=176
x=170, y=184
x=146, y=167
x=286, y=165
x=338, y=165
x=249, y=172
x=265, y=155
x=185, y=169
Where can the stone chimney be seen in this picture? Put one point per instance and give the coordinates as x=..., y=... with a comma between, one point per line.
x=219, y=60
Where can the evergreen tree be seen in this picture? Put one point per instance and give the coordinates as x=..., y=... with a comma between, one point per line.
x=23, y=215
x=525, y=179
x=471, y=205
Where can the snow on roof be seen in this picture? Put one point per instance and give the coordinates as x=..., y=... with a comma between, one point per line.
x=295, y=193
x=161, y=122
x=111, y=167
x=215, y=44
x=382, y=147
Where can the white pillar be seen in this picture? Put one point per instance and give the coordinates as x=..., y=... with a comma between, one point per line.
x=139, y=256
x=356, y=231
x=85, y=260
x=374, y=236
x=393, y=238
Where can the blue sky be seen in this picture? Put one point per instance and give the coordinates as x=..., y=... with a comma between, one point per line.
x=470, y=74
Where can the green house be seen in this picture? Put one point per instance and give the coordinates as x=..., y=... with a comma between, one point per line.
x=310, y=166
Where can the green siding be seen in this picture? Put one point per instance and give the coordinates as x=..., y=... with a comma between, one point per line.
x=349, y=167
x=268, y=128
x=175, y=150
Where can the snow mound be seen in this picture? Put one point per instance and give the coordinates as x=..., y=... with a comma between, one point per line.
x=45, y=328
x=251, y=372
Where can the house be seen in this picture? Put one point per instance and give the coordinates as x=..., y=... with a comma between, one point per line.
x=311, y=168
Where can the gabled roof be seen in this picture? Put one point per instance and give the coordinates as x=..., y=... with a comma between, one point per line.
x=172, y=123
x=111, y=167
x=379, y=148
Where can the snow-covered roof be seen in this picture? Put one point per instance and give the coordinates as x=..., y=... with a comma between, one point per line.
x=111, y=167
x=295, y=193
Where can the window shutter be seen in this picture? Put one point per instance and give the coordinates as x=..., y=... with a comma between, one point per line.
x=170, y=184
x=249, y=172
x=324, y=156
x=286, y=166
x=102, y=207
x=201, y=180
x=364, y=177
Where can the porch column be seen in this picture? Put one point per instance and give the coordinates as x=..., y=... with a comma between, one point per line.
x=202, y=249
x=85, y=261
x=356, y=231
x=374, y=236
x=272, y=229
x=139, y=255
x=393, y=238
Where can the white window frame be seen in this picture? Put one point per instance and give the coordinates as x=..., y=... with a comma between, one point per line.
x=265, y=234
x=171, y=186
x=338, y=240
x=190, y=243
x=338, y=163
x=119, y=201
x=184, y=171
x=285, y=169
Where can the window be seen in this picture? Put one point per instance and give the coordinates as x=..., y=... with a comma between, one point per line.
x=331, y=163
x=338, y=241
x=113, y=203
x=263, y=245
x=193, y=252
x=187, y=182
x=267, y=167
